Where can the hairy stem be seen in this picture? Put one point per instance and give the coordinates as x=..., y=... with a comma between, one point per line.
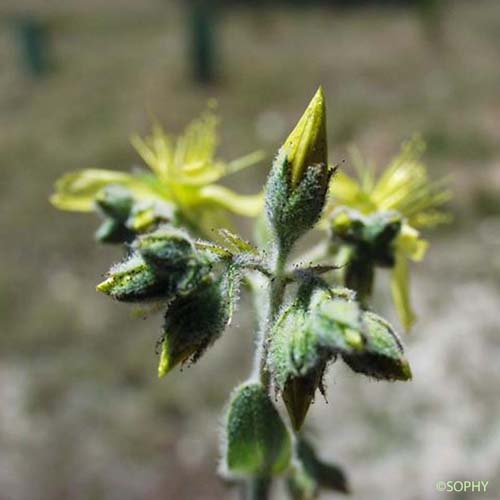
x=258, y=489
x=277, y=286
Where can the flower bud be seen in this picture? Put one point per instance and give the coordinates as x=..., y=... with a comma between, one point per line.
x=163, y=264
x=298, y=183
x=134, y=281
x=195, y=321
x=383, y=355
x=309, y=333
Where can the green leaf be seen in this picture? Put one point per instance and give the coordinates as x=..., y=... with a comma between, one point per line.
x=382, y=356
x=257, y=441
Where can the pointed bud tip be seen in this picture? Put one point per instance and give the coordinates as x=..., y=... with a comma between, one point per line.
x=307, y=145
x=406, y=370
x=105, y=286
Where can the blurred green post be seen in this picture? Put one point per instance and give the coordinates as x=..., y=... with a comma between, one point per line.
x=431, y=15
x=202, y=40
x=32, y=40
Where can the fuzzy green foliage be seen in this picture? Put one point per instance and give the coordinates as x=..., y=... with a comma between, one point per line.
x=257, y=440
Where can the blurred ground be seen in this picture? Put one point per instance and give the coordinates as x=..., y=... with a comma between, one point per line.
x=82, y=415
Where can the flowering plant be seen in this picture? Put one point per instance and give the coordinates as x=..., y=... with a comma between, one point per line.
x=313, y=313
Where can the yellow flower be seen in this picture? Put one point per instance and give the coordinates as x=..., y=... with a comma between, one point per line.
x=183, y=171
x=403, y=187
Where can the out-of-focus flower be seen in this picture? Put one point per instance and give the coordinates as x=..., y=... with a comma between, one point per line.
x=403, y=187
x=183, y=172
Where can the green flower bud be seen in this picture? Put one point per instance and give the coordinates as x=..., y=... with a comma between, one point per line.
x=371, y=242
x=257, y=443
x=163, y=264
x=372, y=237
x=298, y=394
x=195, y=321
x=134, y=281
x=298, y=183
x=309, y=333
x=383, y=355
x=146, y=215
x=167, y=249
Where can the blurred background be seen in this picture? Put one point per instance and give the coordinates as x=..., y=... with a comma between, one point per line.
x=82, y=414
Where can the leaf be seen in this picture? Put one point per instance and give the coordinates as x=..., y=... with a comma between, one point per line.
x=78, y=190
x=257, y=441
x=383, y=355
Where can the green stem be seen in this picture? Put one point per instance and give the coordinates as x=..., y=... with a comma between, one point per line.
x=277, y=286
x=258, y=488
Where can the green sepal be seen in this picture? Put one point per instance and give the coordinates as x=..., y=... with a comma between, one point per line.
x=298, y=394
x=114, y=203
x=310, y=475
x=292, y=212
x=113, y=231
x=372, y=237
x=382, y=356
x=195, y=321
x=162, y=265
x=133, y=280
x=168, y=250
x=257, y=443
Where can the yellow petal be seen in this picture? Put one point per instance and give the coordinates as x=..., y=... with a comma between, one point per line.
x=410, y=244
x=306, y=144
x=76, y=191
x=400, y=289
x=247, y=205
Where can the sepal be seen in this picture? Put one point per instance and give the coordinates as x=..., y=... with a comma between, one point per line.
x=195, y=321
x=310, y=475
x=382, y=356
